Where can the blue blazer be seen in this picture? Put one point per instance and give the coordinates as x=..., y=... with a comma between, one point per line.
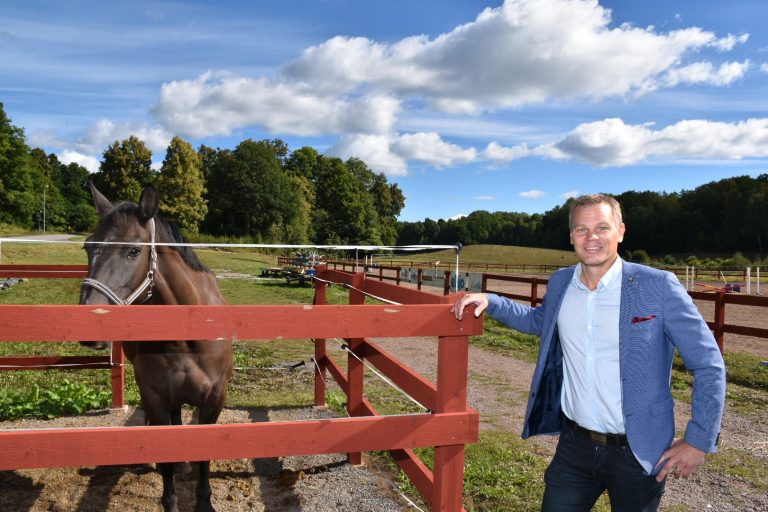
x=656, y=315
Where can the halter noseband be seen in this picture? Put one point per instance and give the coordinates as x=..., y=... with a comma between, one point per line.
x=147, y=284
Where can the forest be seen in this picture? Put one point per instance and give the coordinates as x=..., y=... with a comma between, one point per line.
x=259, y=191
x=725, y=216
x=263, y=192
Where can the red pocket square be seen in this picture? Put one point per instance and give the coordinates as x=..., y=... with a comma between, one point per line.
x=639, y=319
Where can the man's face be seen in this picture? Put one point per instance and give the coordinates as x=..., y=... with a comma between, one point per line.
x=596, y=235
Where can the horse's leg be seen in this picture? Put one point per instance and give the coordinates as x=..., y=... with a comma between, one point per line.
x=209, y=413
x=169, y=498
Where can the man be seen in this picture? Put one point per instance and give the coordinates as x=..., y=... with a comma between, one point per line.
x=609, y=329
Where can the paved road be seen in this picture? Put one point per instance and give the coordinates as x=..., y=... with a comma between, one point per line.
x=50, y=236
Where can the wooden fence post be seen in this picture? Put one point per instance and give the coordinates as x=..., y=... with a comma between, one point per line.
x=320, y=298
x=355, y=368
x=118, y=375
x=534, y=291
x=448, y=473
x=719, y=331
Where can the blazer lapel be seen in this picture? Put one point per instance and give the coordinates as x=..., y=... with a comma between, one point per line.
x=629, y=300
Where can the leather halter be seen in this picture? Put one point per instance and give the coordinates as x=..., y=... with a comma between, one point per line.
x=146, y=285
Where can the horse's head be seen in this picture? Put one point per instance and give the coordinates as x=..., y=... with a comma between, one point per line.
x=122, y=257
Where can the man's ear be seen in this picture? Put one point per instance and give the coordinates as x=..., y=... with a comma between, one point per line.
x=622, y=229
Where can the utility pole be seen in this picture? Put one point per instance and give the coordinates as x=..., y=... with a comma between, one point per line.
x=45, y=187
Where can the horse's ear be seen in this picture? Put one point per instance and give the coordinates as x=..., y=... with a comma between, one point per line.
x=149, y=203
x=103, y=206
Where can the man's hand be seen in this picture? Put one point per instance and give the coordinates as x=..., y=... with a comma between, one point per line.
x=681, y=460
x=479, y=300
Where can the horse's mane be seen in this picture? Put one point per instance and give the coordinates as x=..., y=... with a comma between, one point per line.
x=165, y=231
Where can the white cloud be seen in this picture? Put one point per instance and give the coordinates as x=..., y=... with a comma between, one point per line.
x=764, y=67
x=532, y=194
x=432, y=149
x=69, y=156
x=457, y=216
x=218, y=103
x=705, y=72
x=611, y=142
x=105, y=132
x=726, y=44
x=389, y=153
x=485, y=198
x=374, y=150
x=498, y=153
x=570, y=194
x=522, y=52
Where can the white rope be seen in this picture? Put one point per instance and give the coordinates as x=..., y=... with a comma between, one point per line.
x=60, y=365
x=344, y=346
x=368, y=294
x=255, y=246
x=410, y=502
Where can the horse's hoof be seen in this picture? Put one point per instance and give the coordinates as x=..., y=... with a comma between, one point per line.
x=170, y=504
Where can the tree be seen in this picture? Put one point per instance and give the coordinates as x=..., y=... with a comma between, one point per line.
x=78, y=210
x=249, y=194
x=302, y=162
x=21, y=183
x=180, y=184
x=340, y=215
x=125, y=170
x=389, y=202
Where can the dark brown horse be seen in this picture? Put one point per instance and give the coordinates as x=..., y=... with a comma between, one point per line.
x=131, y=269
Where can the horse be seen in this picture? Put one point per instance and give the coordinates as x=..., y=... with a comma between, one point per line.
x=134, y=268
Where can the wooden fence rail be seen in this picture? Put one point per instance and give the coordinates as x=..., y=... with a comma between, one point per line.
x=720, y=298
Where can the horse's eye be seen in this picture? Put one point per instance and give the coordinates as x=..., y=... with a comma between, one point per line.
x=134, y=252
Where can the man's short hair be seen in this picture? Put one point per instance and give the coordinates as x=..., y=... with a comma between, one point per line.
x=592, y=199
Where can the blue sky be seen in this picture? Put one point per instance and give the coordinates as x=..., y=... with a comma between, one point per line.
x=467, y=105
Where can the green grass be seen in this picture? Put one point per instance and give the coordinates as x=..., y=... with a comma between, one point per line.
x=499, y=338
x=740, y=463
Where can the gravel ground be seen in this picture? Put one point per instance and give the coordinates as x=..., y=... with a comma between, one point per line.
x=322, y=483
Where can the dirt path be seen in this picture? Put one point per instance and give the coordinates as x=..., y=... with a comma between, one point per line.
x=498, y=388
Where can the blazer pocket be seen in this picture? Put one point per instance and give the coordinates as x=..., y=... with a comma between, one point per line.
x=665, y=406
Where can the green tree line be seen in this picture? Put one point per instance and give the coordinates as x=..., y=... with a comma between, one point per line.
x=726, y=215
x=259, y=190
x=266, y=193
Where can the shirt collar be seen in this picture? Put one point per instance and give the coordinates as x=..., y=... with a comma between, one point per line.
x=610, y=278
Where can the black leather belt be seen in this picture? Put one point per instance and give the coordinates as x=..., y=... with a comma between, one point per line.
x=597, y=437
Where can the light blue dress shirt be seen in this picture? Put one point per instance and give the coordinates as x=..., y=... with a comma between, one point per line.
x=588, y=323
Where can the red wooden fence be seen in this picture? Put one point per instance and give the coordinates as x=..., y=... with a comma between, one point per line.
x=448, y=425
x=113, y=362
x=720, y=298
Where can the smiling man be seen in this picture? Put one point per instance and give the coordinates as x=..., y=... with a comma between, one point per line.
x=609, y=330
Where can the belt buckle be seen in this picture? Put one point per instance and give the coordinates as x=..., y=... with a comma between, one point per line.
x=598, y=437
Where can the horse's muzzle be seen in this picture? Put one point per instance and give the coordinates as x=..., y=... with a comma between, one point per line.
x=96, y=345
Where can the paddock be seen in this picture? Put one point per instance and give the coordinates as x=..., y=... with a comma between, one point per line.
x=447, y=425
